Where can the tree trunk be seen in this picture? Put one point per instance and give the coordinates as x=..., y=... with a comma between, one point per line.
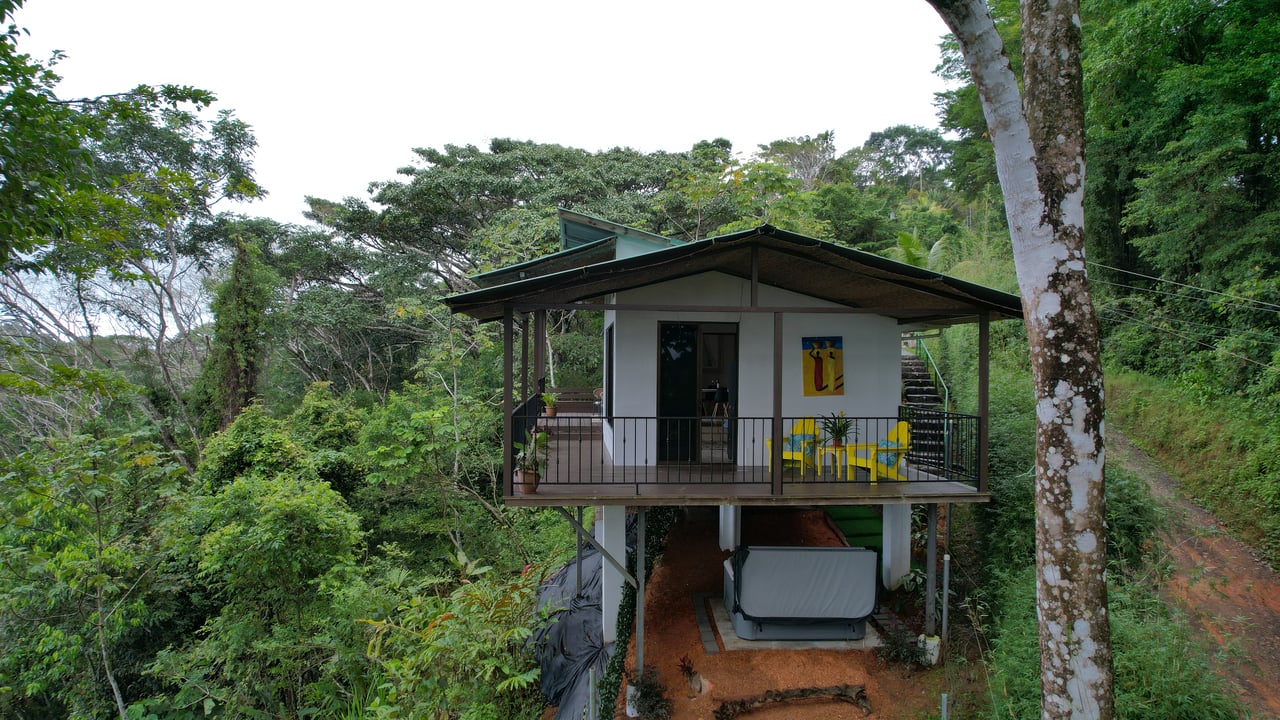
x=1039, y=146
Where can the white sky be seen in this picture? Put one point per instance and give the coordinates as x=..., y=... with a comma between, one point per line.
x=339, y=93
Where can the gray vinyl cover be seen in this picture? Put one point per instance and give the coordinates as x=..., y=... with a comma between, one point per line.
x=799, y=583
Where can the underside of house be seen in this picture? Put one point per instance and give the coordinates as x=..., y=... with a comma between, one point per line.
x=761, y=368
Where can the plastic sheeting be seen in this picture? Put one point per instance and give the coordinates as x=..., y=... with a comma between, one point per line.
x=571, y=644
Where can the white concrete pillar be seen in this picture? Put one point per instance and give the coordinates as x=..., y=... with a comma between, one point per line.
x=895, y=560
x=611, y=533
x=730, y=527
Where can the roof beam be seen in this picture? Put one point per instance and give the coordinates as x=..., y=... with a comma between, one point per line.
x=891, y=311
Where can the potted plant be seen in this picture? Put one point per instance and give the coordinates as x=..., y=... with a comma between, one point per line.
x=696, y=684
x=531, y=457
x=837, y=427
x=549, y=403
x=646, y=695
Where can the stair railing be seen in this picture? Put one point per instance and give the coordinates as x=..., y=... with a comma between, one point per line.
x=934, y=373
x=921, y=350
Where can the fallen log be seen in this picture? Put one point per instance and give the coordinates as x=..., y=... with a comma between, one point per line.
x=852, y=694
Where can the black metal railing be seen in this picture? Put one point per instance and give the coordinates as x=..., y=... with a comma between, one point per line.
x=943, y=443
x=586, y=450
x=524, y=420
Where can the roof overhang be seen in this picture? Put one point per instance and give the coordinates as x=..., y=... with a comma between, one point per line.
x=850, y=278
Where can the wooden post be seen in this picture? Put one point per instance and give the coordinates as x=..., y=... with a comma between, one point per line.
x=776, y=430
x=540, y=348
x=524, y=357
x=508, y=406
x=984, y=393
x=931, y=570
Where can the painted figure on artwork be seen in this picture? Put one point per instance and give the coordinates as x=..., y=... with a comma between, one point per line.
x=823, y=365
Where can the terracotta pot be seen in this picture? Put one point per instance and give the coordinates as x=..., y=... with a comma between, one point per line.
x=549, y=411
x=526, y=482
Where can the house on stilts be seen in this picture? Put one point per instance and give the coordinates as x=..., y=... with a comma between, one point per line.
x=723, y=359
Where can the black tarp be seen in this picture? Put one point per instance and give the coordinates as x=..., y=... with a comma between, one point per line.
x=572, y=642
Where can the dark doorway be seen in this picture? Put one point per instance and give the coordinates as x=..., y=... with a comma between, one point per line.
x=697, y=366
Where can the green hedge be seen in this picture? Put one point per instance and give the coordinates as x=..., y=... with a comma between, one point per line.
x=658, y=523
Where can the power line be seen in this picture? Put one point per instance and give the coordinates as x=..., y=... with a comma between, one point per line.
x=1175, y=282
x=1266, y=338
x=1197, y=341
x=1252, y=306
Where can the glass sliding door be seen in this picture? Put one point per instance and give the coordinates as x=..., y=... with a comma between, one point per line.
x=678, y=394
x=697, y=378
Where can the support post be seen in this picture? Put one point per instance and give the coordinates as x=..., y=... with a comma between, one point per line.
x=775, y=460
x=931, y=572
x=984, y=394
x=611, y=529
x=895, y=556
x=508, y=407
x=524, y=357
x=730, y=527
x=540, y=347
x=640, y=565
x=577, y=544
x=946, y=595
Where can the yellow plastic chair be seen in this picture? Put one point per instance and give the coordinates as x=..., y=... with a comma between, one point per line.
x=883, y=458
x=798, y=446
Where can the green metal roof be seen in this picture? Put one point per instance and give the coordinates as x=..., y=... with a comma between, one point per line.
x=579, y=228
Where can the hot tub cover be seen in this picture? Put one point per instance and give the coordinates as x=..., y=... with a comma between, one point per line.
x=797, y=584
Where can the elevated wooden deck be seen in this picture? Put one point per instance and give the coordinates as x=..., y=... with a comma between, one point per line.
x=578, y=472
x=751, y=493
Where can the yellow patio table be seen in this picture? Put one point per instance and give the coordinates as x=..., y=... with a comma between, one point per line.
x=839, y=455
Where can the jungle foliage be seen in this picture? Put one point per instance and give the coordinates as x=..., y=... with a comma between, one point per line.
x=251, y=469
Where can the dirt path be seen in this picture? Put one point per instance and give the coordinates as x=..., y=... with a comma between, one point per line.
x=1219, y=584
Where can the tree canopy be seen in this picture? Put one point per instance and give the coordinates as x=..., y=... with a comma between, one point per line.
x=235, y=451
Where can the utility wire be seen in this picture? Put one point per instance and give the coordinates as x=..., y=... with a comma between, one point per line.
x=1252, y=306
x=1175, y=282
x=1265, y=338
x=1197, y=341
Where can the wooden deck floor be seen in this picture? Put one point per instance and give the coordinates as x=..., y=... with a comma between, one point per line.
x=810, y=493
x=578, y=473
x=722, y=484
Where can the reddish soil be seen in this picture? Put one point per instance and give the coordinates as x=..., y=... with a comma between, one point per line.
x=1218, y=584
x=692, y=564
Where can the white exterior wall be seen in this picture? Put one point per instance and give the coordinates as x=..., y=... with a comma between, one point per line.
x=872, y=362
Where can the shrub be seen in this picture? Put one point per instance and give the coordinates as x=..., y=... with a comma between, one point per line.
x=465, y=654
x=1161, y=673
x=1224, y=453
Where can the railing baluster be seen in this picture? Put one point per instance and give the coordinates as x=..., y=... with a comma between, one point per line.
x=943, y=447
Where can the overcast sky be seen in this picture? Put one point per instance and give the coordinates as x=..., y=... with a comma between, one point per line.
x=339, y=93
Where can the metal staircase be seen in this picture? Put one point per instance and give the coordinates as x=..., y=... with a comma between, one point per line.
x=921, y=400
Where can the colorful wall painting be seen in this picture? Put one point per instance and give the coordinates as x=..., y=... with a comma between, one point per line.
x=823, y=364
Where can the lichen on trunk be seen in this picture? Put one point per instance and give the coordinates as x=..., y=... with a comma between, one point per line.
x=1039, y=146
